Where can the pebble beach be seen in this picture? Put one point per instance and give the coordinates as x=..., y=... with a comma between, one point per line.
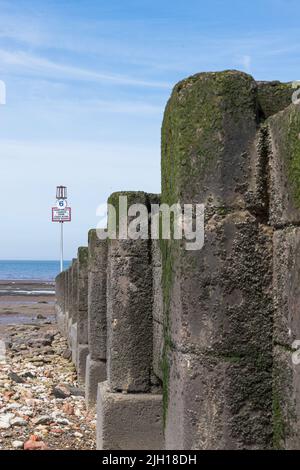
x=41, y=403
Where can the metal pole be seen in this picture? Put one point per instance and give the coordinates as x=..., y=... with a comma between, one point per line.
x=61, y=246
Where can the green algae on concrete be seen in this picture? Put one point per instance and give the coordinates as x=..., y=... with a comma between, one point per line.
x=284, y=189
x=273, y=97
x=208, y=124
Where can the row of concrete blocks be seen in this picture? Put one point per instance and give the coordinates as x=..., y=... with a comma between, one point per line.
x=109, y=309
x=231, y=309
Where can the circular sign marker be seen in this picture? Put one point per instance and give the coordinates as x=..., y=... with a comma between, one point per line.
x=61, y=203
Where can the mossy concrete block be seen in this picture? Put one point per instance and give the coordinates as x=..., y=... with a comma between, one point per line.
x=284, y=167
x=74, y=290
x=158, y=345
x=129, y=421
x=286, y=399
x=218, y=402
x=287, y=285
x=95, y=373
x=129, y=320
x=274, y=97
x=82, y=296
x=82, y=265
x=97, y=279
x=157, y=306
x=209, y=153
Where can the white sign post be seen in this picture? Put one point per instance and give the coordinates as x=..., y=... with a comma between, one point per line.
x=61, y=213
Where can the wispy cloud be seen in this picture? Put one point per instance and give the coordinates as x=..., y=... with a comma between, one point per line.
x=246, y=63
x=40, y=65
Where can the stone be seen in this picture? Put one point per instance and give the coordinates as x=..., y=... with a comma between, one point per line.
x=16, y=378
x=61, y=391
x=35, y=445
x=5, y=420
x=128, y=421
x=67, y=354
x=44, y=419
x=17, y=444
x=40, y=316
x=17, y=421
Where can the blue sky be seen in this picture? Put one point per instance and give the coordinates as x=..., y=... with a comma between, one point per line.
x=87, y=82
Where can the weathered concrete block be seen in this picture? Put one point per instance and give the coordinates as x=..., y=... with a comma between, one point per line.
x=286, y=399
x=95, y=373
x=218, y=402
x=157, y=309
x=74, y=289
x=128, y=421
x=273, y=97
x=60, y=301
x=82, y=266
x=70, y=303
x=221, y=297
x=129, y=309
x=82, y=296
x=221, y=305
x=158, y=345
x=286, y=393
x=286, y=284
x=82, y=353
x=66, y=309
x=129, y=317
x=217, y=300
x=74, y=342
x=209, y=153
x=97, y=278
x=284, y=191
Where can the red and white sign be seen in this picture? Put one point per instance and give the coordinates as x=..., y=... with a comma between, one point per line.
x=61, y=215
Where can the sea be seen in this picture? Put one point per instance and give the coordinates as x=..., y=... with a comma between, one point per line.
x=20, y=270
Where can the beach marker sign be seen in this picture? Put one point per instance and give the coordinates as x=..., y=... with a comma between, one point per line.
x=61, y=215
x=61, y=203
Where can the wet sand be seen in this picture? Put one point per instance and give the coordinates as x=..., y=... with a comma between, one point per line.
x=23, y=302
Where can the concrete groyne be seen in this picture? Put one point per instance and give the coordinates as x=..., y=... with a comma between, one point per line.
x=194, y=349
